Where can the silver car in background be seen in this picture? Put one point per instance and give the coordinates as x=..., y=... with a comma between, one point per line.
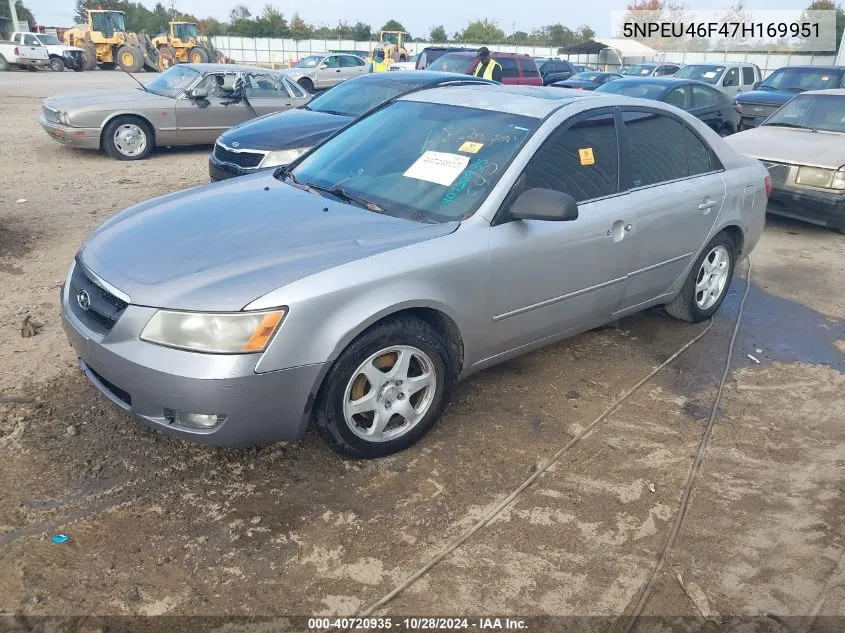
x=324, y=70
x=189, y=104
x=352, y=289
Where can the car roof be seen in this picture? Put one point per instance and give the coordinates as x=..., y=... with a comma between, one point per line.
x=429, y=77
x=532, y=101
x=213, y=68
x=473, y=52
x=833, y=92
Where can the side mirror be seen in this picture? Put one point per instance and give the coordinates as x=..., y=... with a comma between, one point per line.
x=728, y=82
x=323, y=66
x=197, y=93
x=544, y=204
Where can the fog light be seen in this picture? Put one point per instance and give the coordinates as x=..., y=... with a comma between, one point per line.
x=194, y=420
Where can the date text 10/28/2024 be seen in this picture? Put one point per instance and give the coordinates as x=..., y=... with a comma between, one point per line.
x=418, y=624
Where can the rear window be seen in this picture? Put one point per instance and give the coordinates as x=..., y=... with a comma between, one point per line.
x=451, y=63
x=639, y=89
x=528, y=67
x=748, y=77
x=508, y=67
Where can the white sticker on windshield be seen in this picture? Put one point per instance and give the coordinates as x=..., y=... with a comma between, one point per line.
x=709, y=74
x=438, y=167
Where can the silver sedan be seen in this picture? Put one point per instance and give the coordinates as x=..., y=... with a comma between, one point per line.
x=352, y=289
x=189, y=104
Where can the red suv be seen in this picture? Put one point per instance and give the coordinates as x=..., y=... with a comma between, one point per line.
x=519, y=70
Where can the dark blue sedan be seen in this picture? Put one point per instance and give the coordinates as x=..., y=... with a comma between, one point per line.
x=280, y=138
x=712, y=106
x=588, y=80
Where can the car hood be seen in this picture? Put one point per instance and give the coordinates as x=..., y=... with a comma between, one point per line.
x=219, y=247
x=107, y=98
x=789, y=145
x=589, y=85
x=767, y=97
x=285, y=130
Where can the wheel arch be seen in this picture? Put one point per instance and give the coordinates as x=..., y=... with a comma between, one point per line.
x=736, y=234
x=111, y=117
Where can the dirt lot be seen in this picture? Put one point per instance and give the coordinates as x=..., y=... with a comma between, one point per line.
x=159, y=526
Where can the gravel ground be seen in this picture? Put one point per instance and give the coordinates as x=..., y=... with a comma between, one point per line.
x=160, y=526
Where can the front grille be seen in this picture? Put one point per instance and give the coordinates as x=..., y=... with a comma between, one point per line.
x=244, y=159
x=758, y=109
x=104, y=310
x=778, y=172
x=116, y=391
x=50, y=114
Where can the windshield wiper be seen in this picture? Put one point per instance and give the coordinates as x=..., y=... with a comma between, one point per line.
x=787, y=124
x=335, y=112
x=341, y=193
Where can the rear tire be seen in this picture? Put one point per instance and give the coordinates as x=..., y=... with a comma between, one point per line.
x=708, y=282
x=198, y=55
x=419, y=389
x=307, y=84
x=56, y=64
x=4, y=65
x=128, y=138
x=166, y=57
x=89, y=55
x=130, y=58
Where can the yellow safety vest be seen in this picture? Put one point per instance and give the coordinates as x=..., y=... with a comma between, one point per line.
x=381, y=67
x=488, y=71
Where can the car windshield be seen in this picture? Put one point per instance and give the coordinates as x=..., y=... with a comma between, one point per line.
x=707, y=74
x=354, y=98
x=173, y=81
x=587, y=76
x=451, y=63
x=311, y=61
x=439, y=169
x=640, y=70
x=814, y=112
x=185, y=31
x=631, y=88
x=108, y=22
x=49, y=40
x=801, y=79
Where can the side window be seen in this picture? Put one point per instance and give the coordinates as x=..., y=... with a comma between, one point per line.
x=219, y=85
x=332, y=61
x=347, y=61
x=748, y=78
x=264, y=86
x=702, y=97
x=698, y=154
x=528, y=67
x=508, y=67
x=30, y=40
x=294, y=89
x=657, y=148
x=17, y=38
x=581, y=160
x=731, y=77
x=678, y=98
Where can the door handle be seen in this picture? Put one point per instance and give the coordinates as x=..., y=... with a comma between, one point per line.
x=338, y=70
x=628, y=228
x=707, y=204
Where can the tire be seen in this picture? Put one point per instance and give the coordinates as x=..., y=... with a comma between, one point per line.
x=4, y=65
x=130, y=58
x=126, y=146
x=166, y=57
x=56, y=64
x=89, y=55
x=79, y=69
x=198, y=55
x=32, y=69
x=382, y=346
x=699, y=305
x=307, y=84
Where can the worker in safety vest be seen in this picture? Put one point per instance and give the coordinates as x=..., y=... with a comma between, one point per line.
x=487, y=67
x=380, y=64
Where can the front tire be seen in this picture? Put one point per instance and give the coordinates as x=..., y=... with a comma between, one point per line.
x=57, y=65
x=386, y=390
x=128, y=138
x=198, y=55
x=130, y=59
x=307, y=84
x=707, y=283
x=4, y=65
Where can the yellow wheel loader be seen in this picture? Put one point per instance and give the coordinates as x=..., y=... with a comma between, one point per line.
x=393, y=45
x=182, y=44
x=106, y=43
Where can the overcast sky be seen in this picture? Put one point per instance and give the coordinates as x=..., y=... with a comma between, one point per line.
x=418, y=17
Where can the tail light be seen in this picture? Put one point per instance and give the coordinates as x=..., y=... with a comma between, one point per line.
x=579, y=87
x=768, y=182
x=738, y=108
x=17, y=52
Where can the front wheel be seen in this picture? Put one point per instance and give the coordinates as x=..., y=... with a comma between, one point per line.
x=130, y=59
x=707, y=283
x=386, y=390
x=198, y=55
x=56, y=64
x=306, y=83
x=128, y=138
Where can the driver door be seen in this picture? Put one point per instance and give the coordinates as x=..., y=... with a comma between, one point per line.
x=329, y=72
x=202, y=121
x=270, y=92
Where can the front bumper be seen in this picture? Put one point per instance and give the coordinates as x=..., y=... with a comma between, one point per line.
x=81, y=137
x=150, y=382
x=827, y=209
x=73, y=61
x=222, y=171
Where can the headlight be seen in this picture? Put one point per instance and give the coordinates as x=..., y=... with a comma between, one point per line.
x=283, y=157
x=838, y=179
x=64, y=118
x=814, y=177
x=221, y=333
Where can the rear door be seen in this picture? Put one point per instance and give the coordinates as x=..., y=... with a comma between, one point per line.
x=749, y=78
x=201, y=121
x=707, y=106
x=268, y=92
x=510, y=71
x=675, y=192
x=731, y=85
x=328, y=72
x=351, y=66
x=530, y=75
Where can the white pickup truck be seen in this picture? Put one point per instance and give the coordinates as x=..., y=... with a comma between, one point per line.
x=61, y=56
x=13, y=54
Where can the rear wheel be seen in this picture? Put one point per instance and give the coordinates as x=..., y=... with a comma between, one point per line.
x=130, y=59
x=128, y=138
x=707, y=283
x=4, y=65
x=306, y=83
x=198, y=55
x=386, y=390
x=57, y=65
x=166, y=57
